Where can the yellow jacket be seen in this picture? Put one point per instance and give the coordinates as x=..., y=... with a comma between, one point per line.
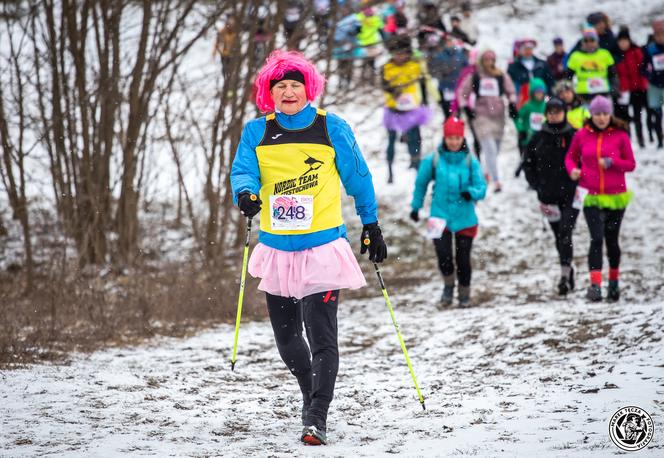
x=402, y=85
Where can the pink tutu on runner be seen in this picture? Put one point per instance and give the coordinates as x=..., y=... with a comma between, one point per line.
x=301, y=273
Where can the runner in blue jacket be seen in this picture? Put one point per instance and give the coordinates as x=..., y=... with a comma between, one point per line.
x=458, y=185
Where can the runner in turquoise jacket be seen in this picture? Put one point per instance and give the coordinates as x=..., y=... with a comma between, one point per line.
x=454, y=173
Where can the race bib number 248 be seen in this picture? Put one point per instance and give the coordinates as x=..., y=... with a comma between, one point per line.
x=291, y=212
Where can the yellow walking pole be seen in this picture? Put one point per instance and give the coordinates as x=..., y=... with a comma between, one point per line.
x=241, y=295
x=396, y=327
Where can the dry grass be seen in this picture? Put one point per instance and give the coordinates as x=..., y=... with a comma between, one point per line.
x=85, y=313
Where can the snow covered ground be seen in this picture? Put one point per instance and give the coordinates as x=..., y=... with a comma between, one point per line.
x=523, y=373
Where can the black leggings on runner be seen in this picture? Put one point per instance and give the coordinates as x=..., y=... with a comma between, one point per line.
x=446, y=260
x=563, y=230
x=639, y=102
x=604, y=226
x=316, y=371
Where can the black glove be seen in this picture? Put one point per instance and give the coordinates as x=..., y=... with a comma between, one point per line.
x=466, y=196
x=415, y=215
x=470, y=114
x=376, y=246
x=514, y=113
x=248, y=207
x=522, y=138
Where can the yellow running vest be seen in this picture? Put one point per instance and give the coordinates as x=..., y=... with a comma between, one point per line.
x=300, y=184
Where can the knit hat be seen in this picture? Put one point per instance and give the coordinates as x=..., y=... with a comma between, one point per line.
x=589, y=31
x=623, y=34
x=658, y=26
x=453, y=126
x=557, y=41
x=527, y=43
x=563, y=85
x=596, y=18
x=554, y=104
x=537, y=84
x=600, y=105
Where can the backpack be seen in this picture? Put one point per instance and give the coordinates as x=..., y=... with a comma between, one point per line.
x=476, y=84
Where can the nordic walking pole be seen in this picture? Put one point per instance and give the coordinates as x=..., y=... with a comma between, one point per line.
x=241, y=295
x=396, y=327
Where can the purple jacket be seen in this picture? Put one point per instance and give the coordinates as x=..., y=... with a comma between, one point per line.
x=590, y=144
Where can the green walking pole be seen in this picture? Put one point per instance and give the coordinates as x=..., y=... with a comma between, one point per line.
x=396, y=327
x=245, y=258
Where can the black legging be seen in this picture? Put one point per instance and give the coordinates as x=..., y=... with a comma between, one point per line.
x=563, y=230
x=603, y=225
x=463, y=245
x=316, y=376
x=638, y=101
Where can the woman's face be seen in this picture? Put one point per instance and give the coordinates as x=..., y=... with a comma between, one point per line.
x=624, y=44
x=567, y=95
x=289, y=96
x=453, y=142
x=488, y=61
x=602, y=120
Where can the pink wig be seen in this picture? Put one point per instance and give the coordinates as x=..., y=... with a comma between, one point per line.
x=278, y=63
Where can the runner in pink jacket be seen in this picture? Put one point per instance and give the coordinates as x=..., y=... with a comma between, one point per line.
x=599, y=157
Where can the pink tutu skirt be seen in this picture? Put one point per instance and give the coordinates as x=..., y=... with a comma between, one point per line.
x=301, y=273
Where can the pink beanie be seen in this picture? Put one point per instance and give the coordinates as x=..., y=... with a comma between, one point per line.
x=600, y=105
x=277, y=64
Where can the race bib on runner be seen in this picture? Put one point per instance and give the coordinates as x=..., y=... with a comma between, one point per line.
x=624, y=98
x=579, y=197
x=550, y=212
x=435, y=227
x=536, y=121
x=406, y=102
x=489, y=87
x=292, y=14
x=448, y=94
x=291, y=212
x=658, y=62
x=597, y=85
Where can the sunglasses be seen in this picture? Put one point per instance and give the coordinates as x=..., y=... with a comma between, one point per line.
x=589, y=40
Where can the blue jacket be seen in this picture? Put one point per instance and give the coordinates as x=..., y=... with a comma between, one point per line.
x=353, y=170
x=655, y=77
x=455, y=172
x=446, y=65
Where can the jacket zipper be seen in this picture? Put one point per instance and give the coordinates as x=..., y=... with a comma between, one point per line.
x=599, y=166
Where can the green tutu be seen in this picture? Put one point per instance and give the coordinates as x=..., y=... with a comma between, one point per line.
x=609, y=201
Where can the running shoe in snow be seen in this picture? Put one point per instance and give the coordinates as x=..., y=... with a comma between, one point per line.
x=312, y=435
x=448, y=296
x=594, y=293
x=464, y=296
x=614, y=291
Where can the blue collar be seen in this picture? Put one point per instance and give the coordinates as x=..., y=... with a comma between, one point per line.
x=299, y=120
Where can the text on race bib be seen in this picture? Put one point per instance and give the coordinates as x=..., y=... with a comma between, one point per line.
x=624, y=98
x=658, y=62
x=579, y=197
x=536, y=121
x=406, y=102
x=291, y=212
x=597, y=85
x=435, y=227
x=489, y=87
x=448, y=94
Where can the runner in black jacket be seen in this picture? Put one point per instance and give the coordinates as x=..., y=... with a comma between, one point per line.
x=544, y=165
